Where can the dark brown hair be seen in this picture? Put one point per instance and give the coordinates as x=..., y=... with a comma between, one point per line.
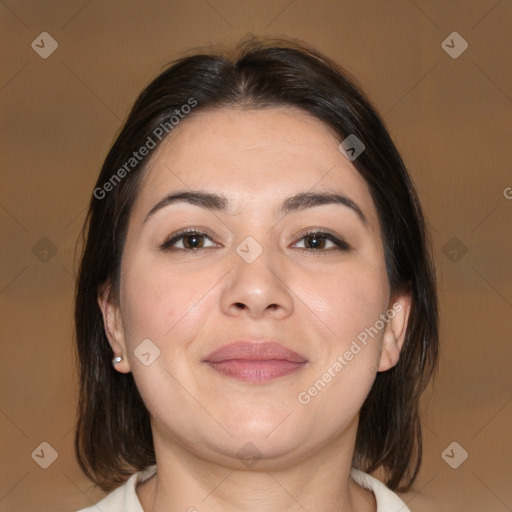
x=113, y=435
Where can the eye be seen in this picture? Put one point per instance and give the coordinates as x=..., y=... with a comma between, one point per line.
x=195, y=240
x=319, y=241
x=189, y=240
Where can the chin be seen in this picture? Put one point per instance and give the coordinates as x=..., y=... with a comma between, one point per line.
x=259, y=452
x=271, y=435
x=263, y=422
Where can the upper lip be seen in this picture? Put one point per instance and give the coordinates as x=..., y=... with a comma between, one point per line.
x=254, y=351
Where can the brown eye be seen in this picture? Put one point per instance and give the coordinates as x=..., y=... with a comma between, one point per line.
x=318, y=240
x=193, y=241
x=188, y=241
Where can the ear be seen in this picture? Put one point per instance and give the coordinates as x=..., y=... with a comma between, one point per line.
x=395, y=331
x=113, y=325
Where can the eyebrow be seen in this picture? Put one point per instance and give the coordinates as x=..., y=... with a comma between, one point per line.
x=297, y=202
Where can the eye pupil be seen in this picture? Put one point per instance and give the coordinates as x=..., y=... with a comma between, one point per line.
x=196, y=241
x=317, y=242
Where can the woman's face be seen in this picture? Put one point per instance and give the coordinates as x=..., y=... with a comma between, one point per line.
x=255, y=275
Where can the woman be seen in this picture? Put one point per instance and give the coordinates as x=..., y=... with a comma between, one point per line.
x=258, y=274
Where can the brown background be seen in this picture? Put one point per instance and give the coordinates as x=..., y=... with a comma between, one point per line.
x=451, y=119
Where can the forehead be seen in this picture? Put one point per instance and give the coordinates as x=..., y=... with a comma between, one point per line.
x=254, y=158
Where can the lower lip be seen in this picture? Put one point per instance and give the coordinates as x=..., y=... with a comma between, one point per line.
x=256, y=371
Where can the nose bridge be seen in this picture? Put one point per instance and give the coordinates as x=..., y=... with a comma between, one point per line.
x=258, y=279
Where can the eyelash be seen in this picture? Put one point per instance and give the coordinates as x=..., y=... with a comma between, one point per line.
x=167, y=244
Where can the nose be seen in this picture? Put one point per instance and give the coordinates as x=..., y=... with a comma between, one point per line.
x=258, y=288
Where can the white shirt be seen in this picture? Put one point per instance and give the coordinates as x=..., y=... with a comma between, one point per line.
x=125, y=499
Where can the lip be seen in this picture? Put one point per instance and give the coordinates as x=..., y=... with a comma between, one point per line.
x=255, y=361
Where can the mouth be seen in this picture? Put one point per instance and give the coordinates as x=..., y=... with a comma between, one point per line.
x=256, y=362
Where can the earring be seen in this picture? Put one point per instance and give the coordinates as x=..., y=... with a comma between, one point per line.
x=117, y=360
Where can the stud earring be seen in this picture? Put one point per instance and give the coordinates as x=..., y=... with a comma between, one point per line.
x=116, y=360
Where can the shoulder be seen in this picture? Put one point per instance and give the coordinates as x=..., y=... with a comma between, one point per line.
x=387, y=500
x=114, y=502
x=124, y=498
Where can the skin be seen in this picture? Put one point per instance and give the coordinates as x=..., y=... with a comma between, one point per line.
x=314, y=301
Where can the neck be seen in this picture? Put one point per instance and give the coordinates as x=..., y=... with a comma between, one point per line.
x=319, y=482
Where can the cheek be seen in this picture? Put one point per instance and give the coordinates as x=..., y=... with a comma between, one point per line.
x=348, y=300
x=167, y=307
x=349, y=303
x=346, y=367
x=157, y=295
